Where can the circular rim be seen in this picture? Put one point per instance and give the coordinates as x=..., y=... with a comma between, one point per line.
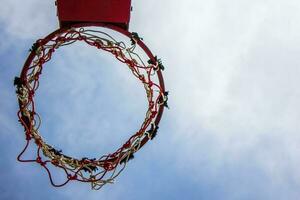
x=83, y=25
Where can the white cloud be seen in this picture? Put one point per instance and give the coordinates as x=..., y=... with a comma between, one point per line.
x=28, y=19
x=232, y=69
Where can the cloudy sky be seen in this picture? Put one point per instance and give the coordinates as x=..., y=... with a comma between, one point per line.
x=232, y=132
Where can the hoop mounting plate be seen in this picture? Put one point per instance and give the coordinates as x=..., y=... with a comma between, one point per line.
x=115, y=12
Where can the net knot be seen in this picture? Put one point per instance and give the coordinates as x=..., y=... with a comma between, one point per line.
x=72, y=177
x=40, y=161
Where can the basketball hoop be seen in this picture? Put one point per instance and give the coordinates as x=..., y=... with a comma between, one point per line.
x=102, y=170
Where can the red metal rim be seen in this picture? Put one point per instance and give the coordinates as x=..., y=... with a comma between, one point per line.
x=23, y=77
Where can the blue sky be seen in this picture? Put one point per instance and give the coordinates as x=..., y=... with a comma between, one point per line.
x=232, y=132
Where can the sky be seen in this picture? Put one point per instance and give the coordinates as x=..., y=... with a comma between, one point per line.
x=232, y=130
